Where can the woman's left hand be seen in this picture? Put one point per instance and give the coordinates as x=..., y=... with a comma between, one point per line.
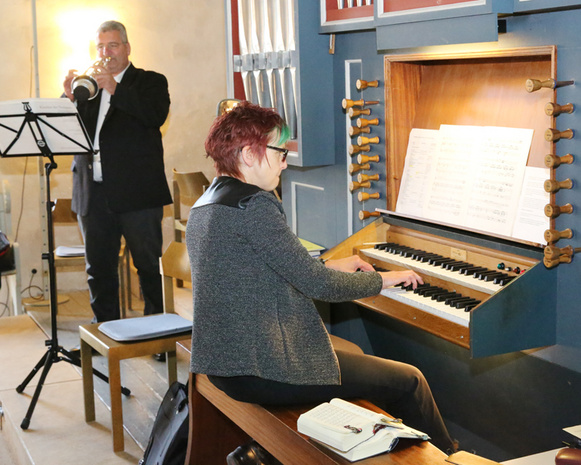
x=349, y=264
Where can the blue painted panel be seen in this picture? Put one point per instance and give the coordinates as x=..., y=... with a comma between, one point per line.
x=467, y=29
x=441, y=12
x=314, y=89
x=538, y=5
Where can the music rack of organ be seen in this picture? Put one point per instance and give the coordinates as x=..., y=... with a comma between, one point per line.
x=488, y=286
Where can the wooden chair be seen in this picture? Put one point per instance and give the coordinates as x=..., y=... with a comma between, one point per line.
x=187, y=188
x=74, y=256
x=174, y=265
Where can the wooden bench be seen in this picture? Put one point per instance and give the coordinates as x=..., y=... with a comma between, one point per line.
x=219, y=424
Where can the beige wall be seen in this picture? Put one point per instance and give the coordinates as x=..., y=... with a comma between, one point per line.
x=184, y=40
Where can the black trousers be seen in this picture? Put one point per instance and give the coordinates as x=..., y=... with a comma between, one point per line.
x=102, y=230
x=398, y=388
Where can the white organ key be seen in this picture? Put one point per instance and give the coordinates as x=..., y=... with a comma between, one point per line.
x=430, y=270
x=426, y=304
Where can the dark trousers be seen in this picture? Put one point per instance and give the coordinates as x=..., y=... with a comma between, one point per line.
x=102, y=230
x=398, y=388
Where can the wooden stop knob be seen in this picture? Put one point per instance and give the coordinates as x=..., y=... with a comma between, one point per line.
x=553, y=135
x=553, y=161
x=554, y=109
x=354, y=185
x=362, y=140
x=366, y=158
x=552, y=235
x=353, y=149
x=363, y=215
x=362, y=122
x=361, y=84
x=354, y=167
x=553, y=211
x=363, y=196
x=367, y=177
x=355, y=131
x=552, y=186
x=353, y=113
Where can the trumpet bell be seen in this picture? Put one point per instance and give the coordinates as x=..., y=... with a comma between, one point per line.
x=85, y=87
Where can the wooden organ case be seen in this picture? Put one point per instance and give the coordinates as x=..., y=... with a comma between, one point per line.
x=483, y=89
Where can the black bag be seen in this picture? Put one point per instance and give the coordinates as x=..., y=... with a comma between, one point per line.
x=169, y=436
x=6, y=254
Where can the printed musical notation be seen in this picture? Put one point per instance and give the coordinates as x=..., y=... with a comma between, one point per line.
x=469, y=176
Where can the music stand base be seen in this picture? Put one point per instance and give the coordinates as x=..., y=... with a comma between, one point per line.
x=46, y=361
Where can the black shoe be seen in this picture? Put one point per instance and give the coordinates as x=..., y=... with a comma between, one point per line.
x=159, y=357
x=251, y=454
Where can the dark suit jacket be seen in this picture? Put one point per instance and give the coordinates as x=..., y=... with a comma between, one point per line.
x=130, y=145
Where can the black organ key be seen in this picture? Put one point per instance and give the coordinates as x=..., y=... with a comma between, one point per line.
x=452, y=300
x=493, y=276
x=472, y=270
x=455, y=266
x=461, y=303
x=504, y=280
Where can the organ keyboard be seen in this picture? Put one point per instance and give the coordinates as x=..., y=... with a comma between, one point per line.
x=481, y=293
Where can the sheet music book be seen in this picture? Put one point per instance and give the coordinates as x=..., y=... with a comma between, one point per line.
x=59, y=125
x=473, y=177
x=352, y=431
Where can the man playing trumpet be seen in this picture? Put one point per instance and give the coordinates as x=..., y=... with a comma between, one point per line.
x=122, y=189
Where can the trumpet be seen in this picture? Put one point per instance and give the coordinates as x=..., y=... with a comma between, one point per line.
x=85, y=87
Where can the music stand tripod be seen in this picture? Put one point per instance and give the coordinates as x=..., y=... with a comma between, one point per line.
x=29, y=130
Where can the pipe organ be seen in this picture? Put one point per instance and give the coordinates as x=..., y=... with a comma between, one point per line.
x=486, y=292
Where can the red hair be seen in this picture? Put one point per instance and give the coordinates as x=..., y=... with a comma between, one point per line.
x=246, y=124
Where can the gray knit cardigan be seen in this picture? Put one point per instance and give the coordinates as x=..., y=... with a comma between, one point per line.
x=253, y=284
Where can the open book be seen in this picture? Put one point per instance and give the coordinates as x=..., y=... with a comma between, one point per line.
x=352, y=431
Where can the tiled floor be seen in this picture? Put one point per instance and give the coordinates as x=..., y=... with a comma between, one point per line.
x=58, y=434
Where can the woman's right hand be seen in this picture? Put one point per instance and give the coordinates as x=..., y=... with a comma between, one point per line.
x=407, y=277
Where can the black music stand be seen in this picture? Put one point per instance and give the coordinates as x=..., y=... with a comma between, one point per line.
x=36, y=127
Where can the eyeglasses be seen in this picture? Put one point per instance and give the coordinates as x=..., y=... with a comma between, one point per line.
x=284, y=152
x=110, y=46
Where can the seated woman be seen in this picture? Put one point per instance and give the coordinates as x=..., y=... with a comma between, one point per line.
x=256, y=331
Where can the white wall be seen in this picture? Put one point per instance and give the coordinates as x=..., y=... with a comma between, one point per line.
x=184, y=40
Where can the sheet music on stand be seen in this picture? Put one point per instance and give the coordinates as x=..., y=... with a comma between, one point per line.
x=56, y=123
x=474, y=177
